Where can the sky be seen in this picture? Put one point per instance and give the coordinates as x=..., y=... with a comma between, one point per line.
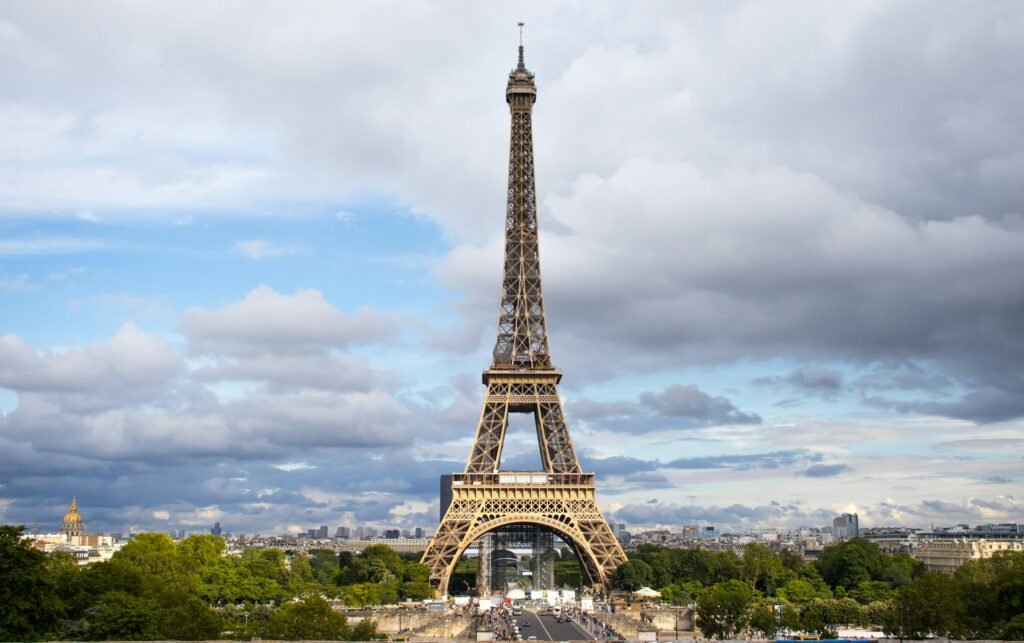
x=250, y=256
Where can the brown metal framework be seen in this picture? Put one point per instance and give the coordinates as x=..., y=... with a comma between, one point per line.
x=521, y=380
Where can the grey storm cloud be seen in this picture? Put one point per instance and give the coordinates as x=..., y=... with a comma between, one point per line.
x=680, y=406
x=824, y=470
x=811, y=380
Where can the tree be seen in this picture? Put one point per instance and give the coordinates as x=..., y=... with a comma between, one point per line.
x=928, y=605
x=365, y=630
x=310, y=619
x=723, y=609
x=417, y=590
x=871, y=591
x=156, y=559
x=379, y=564
x=1014, y=629
x=762, y=568
x=325, y=565
x=362, y=594
x=122, y=617
x=632, y=575
x=29, y=605
x=767, y=620
x=200, y=551
x=802, y=590
x=415, y=572
x=188, y=618
x=850, y=563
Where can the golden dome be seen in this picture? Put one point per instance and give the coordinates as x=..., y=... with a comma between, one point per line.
x=73, y=516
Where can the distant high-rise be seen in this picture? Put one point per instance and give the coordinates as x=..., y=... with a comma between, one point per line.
x=343, y=532
x=216, y=531
x=322, y=533
x=446, y=493
x=418, y=532
x=845, y=526
x=392, y=533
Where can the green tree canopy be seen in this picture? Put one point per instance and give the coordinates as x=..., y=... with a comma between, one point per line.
x=29, y=605
x=723, y=609
x=119, y=616
x=310, y=619
x=379, y=564
x=633, y=574
x=929, y=605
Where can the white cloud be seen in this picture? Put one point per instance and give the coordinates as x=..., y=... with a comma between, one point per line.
x=270, y=322
x=17, y=283
x=293, y=466
x=259, y=249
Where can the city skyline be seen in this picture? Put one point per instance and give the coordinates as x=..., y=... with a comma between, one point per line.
x=254, y=279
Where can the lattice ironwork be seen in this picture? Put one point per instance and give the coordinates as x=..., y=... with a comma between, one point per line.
x=521, y=380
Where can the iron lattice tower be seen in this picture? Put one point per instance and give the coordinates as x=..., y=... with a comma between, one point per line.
x=521, y=379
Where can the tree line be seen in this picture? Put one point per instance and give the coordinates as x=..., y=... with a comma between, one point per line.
x=155, y=588
x=853, y=583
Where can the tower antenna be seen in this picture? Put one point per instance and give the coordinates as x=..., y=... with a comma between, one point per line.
x=521, y=24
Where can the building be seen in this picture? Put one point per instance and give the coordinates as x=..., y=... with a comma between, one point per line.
x=216, y=531
x=709, y=533
x=845, y=526
x=72, y=526
x=417, y=532
x=343, y=532
x=446, y=493
x=392, y=534
x=322, y=533
x=947, y=555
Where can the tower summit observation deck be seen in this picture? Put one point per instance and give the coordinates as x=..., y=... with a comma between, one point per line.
x=521, y=379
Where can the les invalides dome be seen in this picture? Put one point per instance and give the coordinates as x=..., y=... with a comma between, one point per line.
x=72, y=524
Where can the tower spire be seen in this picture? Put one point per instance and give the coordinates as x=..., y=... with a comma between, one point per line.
x=522, y=331
x=522, y=63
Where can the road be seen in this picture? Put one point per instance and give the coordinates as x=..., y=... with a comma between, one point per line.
x=546, y=628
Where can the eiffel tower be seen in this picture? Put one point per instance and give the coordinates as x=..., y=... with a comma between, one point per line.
x=521, y=379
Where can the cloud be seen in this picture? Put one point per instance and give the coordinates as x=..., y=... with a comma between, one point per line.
x=811, y=380
x=782, y=514
x=678, y=406
x=259, y=249
x=773, y=225
x=984, y=444
x=270, y=322
x=742, y=462
x=824, y=470
x=17, y=283
x=132, y=366
x=690, y=402
x=48, y=246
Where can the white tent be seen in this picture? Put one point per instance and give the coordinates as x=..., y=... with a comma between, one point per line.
x=647, y=592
